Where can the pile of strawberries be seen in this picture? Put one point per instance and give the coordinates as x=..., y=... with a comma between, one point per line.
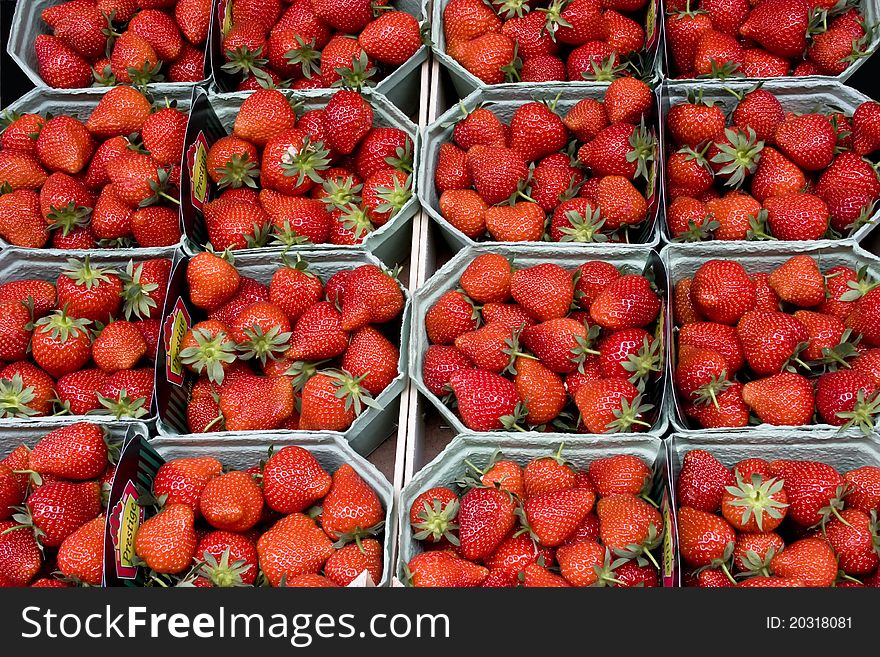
x=328, y=176
x=516, y=40
x=111, y=42
x=52, y=502
x=770, y=38
x=284, y=522
x=777, y=523
x=547, y=524
x=506, y=180
x=298, y=353
x=310, y=44
x=768, y=173
x=545, y=348
x=110, y=181
x=783, y=346
x=85, y=344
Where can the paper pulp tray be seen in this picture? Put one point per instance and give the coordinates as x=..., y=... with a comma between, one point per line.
x=642, y=260
x=504, y=102
x=174, y=382
x=579, y=450
x=400, y=86
x=141, y=460
x=802, y=95
x=214, y=116
x=842, y=453
x=46, y=264
x=683, y=260
x=80, y=103
x=27, y=24
x=465, y=82
x=13, y=434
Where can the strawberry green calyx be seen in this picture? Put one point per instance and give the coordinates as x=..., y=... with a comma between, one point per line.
x=554, y=19
x=210, y=354
x=14, y=398
x=62, y=326
x=84, y=274
x=145, y=74
x=628, y=415
x=605, y=574
x=340, y=193
x=160, y=188
x=356, y=220
x=512, y=69
x=515, y=421
x=395, y=198
x=137, y=301
x=306, y=161
x=287, y=237
x=643, y=362
x=864, y=413
x=358, y=75
x=861, y=287
x=222, y=573
x=239, y=171
x=641, y=552
x=740, y=157
x=244, y=60
x=259, y=236
x=584, y=348
x=349, y=389
x=756, y=498
x=698, y=233
x=509, y=8
x=723, y=71
x=756, y=565
x=585, y=227
x=512, y=351
x=723, y=563
x=710, y=392
x=402, y=160
x=758, y=227
x=358, y=535
x=834, y=507
x=124, y=407
x=68, y=217
x=644, y=147
x=606, y=70
x=437, y=521
x=307, y=56
x=301, y=371
x=262, y=345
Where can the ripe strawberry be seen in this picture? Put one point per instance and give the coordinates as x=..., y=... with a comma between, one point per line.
x=61, y=344
x=780, y=27
x=863, y=488
x=20, y=555
x=553, y=517
x=230, y=559
x=628, y=100
x=852, y=540
x=58, y=508
x=808, y=140
x=444, y=569
x=547, y=475
x=629, y=524
x=810, y=560
x=497, y=172
x=372, y=356
x=251, y=403
x=722, y=291
x=332, y=400
x=755, y=505
x=349, y=118
x=134, y=60
x=704, y=539
x=182, y=480
x=81, y=555
x=586, y=119
x=193, y=17
x=716, y=54
x=541, y=391
x=163, y=134
x=484, y=398
x=167, y=542
x=263, y=115
x=866, y=128
x=392, y=38
x=488, y=56
x=485, y=517
x=212, y=280
x=797, y=216
x=77, y=391
x=536, y=131
x=15, y=332
x=27, y=390
x=351, y=560
x=120, y=346
x=619, y=474
x=521, y=222
x=545, y=291
x=189, y=67
x=702, y=481
x=627, y=302
x=232, y=502
x=814, y=490
x=781, y=399
x=21, y=171
x=611, y=406
x=351, y=508
x=846, y=398
x=440, y=363
x=318, y=334
x=371, y=296
x=64, y=144
x=59, y=65
x=76, y=452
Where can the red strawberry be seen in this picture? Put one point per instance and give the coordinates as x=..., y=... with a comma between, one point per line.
x=814, y=490
x=852, y=540
x=810, y=560
x=347, y=563
x=704, y=539
x=483, y=398
x=76, y=451
x=611, y=406
x=59, y=65
x=444, y=569
x=553, y=517
x=620, y=474
x=182, y=480
x=167, y=542
x=702, y=481
x=485, y=517
x=57, y=509
x=231, y=501
x=20, y=555
x=81, y=555
x=780, y=26
x=863, y=488
x=627, y=302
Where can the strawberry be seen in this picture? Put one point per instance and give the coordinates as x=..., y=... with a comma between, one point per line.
x=81, y=555
x=167, y=542
x=20, y=555
x=392, y=38
x=621, y=149
x=144, y=287
x=863, y=318
x=59, y=65
x=444, y=569
x=159, y=30
x=263, y=115
x=545, y=291
x=808, y=140
x=128, y=393
x=814, y=490
x=485, y=517
x=547, y=475
x=58, y=508
x=627, y=302
x=780, y=27
x=722, y=291
x=521, y=222
x=163, y=134
x=156, y=226
x=351, y=509
x=193, y=18
x=702, y=481
x=591, y=278
x=630, y=525
x=347, y=563
x=704, y=539
x=866, y=128
x=21, y=171
x=538, y=576
x=863, y=488
x=296, y=219
x=212, y=280
x=488, y=56
x=189, y=67
x=611, y=406
x=182, y=480
x=440, y=363
x=11, y=495
x=372, y=356
x=27, y=390
x=852, y=540
x=134, y=60
x=770, y=339
x=232, y=502
x=349, y=118
x=65, y=145
x=76, y=452
x=717, y=54
x=487, y=278
x=484, y=398
x=251, y=403
x=61, y=344
x=619, y=474
x=541, y=391
x=318, y=334
x=756, y=505
x=230, y=559
x=797, y=216
x=370, y=296
x=120, y=346
x=451, y=172
x=552, y=517
x=497, y=172
x=628, y=100
x=332, y=400
x=781, y=399
x=867, y=363
x=846, y=398
x=15, y=332
x=433, y=515
x=810, y=560
x=776, y=175
x=78, y=391
x=531, y=120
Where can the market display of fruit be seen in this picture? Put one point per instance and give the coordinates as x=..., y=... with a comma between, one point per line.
x=312, y=44
x=52, y=504
x=545, y=348
x=285, y=522
x=107, y=180
x=578, y=171
x=792, y=346
x=82, y=340
x=770, y=38
x=777, y=523
x=761, y=172
x=328, y=176
x=542, y=523
x=294, y=352
x=514, y=41
x=109, y=42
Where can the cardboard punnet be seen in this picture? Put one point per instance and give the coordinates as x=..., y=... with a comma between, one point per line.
x=46, y=264
x=449, y=466
x=174, y=381
x=466, y=82
x=401, y=84
x=842, y=453
x=504, y=102
x=683, y=260
x=14, y=434
x=641, y=260
x=140, y=460
x=802, y=95
x=27, y=24
x=80, y=103
x=213, y=117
